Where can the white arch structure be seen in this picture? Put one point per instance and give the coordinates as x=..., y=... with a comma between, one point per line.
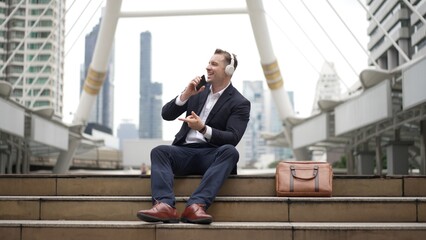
x=98, y=67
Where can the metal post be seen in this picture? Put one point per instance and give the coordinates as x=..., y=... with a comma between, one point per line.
x=271, y=70
x=94, y=80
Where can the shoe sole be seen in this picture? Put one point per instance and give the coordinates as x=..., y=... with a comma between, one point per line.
x=198, y=221
x=148, y=218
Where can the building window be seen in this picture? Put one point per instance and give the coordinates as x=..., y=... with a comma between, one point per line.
x=43, y=57
x=42, y=23
x=39, y=34
x=17, y=92
x=36, y=46
x=38, y=12
x=41, y=103
x=40, y=81
x=40, y=1
x=37, y=69
x=420, y=45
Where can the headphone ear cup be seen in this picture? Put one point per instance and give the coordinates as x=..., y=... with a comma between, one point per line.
x=229, y=70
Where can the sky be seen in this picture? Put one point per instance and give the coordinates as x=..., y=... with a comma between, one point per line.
x=303, y=35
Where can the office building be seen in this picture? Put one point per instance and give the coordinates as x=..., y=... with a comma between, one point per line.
x=274, y=124
x=127, y=131
x=328, y=86
x=254, y=145
x=263, y=118
x=150, y=102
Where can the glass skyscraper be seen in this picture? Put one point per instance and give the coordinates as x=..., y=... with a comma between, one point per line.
x=150, y=102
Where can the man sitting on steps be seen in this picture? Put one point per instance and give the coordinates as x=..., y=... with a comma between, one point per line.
x=216, y=119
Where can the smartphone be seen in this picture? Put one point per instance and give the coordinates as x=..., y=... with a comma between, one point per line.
x=202, y=83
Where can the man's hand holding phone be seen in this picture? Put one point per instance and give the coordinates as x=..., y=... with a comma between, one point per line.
x=201, y=83
x=194, y=87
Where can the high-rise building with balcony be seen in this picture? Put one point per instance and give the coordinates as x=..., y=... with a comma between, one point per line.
x=403, y=25
x=32, y=52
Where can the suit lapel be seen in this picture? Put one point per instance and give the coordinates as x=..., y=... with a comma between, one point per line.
x=202, y=99
x=226, y=95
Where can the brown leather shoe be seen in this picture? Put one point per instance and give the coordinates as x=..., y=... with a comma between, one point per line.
x=160, y=212
x=195, y=214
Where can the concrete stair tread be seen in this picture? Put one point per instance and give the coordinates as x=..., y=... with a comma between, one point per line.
x=239, y=185
x=240, y=225
x=225, y=209
x=95, y=207
x=222, y=198
x=123, y=230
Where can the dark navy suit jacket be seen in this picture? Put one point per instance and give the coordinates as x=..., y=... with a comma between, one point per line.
x=228, y=118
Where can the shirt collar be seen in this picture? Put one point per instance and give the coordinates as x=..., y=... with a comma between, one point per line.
x=221, y=91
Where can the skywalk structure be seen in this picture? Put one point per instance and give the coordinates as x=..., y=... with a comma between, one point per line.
x=386, y=110
x=31, y=81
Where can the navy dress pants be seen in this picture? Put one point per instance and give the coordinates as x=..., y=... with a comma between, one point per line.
x=213, y=163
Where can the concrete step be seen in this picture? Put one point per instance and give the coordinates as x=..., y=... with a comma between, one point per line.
x=123, y=230
x=240, y=185
x=225, y=209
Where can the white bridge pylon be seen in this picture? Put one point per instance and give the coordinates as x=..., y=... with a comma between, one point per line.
x=98, y=67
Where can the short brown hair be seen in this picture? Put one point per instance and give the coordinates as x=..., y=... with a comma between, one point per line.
x=227, y=56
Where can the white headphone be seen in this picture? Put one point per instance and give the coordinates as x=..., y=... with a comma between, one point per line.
x=229, y=70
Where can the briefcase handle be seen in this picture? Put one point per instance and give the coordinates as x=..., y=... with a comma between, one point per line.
x=314, y=173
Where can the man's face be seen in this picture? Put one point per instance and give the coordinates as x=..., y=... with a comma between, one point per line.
x=216, y=68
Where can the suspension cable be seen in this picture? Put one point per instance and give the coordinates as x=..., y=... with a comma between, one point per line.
x=353, y=35
x=415, y=11
x=23, y=40
x=304, y=32
x=331, y=40
x=311, y=41
x=78, y=18
x=32, y=60
x=294, y=45
x=69, y=8
x=81, y=32
x=11, y=14
x=30, y=87
x=385, y=32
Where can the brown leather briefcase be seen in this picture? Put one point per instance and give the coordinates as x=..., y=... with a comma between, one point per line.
x=303, y=179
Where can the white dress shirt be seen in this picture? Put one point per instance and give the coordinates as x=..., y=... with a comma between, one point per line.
x=195, y=136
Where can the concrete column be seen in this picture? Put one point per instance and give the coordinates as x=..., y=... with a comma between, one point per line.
x=350, y=162
x=397, y=158
x=12, y=157
x=423, y=147
x=3, y=148
x=19, y=158
x=364, y=162
x=392, y=55
x=405, y=47
x=379, y=155
x=3, y=160
x=382, y=63
x=26, y=159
